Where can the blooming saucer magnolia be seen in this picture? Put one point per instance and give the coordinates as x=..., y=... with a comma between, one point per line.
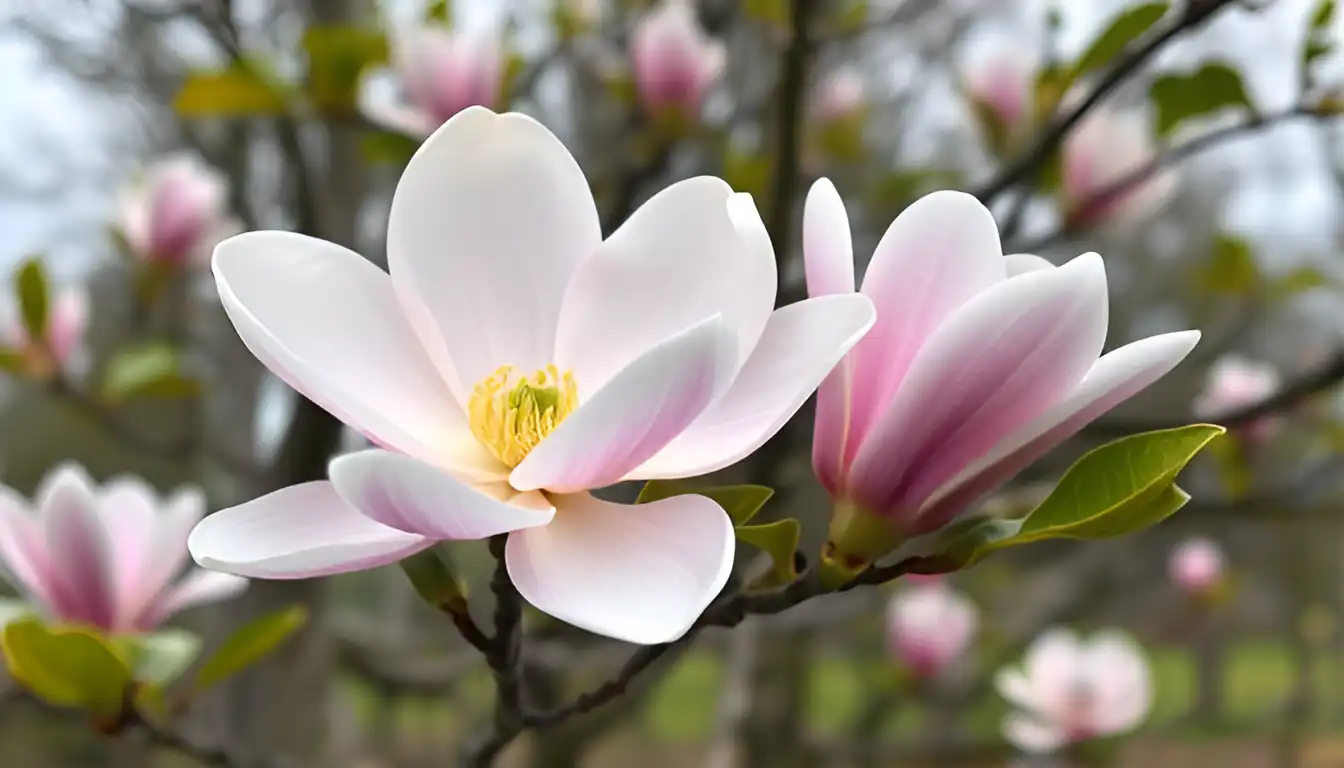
x=67, y=322
x=105, y=557
x=437, y=72
x=929, y=626
x=675, y=62
x=1196, y=567
x=978, y=365
x=1237, y=382
x=176, y=212
x=1070, y=690
x=1100, y=154
x=512, y=361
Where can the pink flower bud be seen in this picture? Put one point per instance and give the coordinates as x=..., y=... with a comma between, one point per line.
x=1101, y=153
x=176, y=213
x=929, y=626
x=841, y=95
x=1001, y=83
x=437, y=72
x=675, y=61
x=1196, y=567
x=67, y=321
x=1236, y=382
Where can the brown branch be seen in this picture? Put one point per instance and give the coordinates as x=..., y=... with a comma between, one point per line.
x=504, y=655
x=1029, y=162
x=795, y=64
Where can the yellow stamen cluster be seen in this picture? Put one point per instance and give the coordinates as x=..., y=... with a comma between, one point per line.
x=511, y=421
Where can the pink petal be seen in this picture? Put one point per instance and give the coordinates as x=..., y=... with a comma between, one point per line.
x=936, y=255
x=327, y=322
x=1000, y=362
x=298, y=532
x=23, y=552
x=487, y=225
x=380, y=101
x=642, y=573
x=80, y=549
x=409, y=495
x=198, y=587
x=638, y=412
x=176, y=518
x=1116, y=377
x=800, y=346
x=1032, y=735
x=679, y=260
x=127, y=507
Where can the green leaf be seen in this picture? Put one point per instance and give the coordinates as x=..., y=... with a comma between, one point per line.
x=779, y=540
x=1299, y=280
x=741, y=502
x=1181, y=96
x=249, y=644
x=67, y=667
x=162, y=657
x=440, y=11
x=432, y=575
x=1319, y=42
x=239, y=91
x=150, y=370
x=1324, y=14
x=1232, y=268
x=1127, y=27
x=386, y=147
x=13, y=361
x=12, y=610
x=770, y=11
x=34, y=297
x=337, y=57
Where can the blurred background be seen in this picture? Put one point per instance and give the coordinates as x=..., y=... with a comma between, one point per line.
x=136, y=133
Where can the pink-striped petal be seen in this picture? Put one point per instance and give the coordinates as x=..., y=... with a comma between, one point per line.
x=800, y=346
x=642, y=574
x=23, y=550
x=298, y=532
x=935, y=256
x=80, y=549
x=1116, y=377
x=404, y=493
x=1000, y=362
x=127, y=507
x=638, y=412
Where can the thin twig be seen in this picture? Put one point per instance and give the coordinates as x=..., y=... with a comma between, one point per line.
x=795, y=63
x=1029, y=162
x=504, y=656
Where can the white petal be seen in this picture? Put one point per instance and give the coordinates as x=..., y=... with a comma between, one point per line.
x=404, y=493
x=296, y=533
x=381, y=100
x=128, y=509
x=642, y=573
x=1031, y=735
x=487, y=225
x=327, y=322
x=1014, y=686
x=638, y=412
x=1118, y=671
x=828, y=247
x=198, y=587
x=1019, y=263
x=679, y=260
x=800, y=346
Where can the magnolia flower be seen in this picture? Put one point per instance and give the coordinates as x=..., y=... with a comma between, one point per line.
x=511, y=362
x=437, y=72
x=929, y=626
x=67, y=322
x=1001, y=83
x=1237, y=382
x=1070, y=690
x=840, y=96
x=105, y=557
x=675, y=61
x=1102, y=152
x=1196, y=567
x=977, y=366
x=176, y=212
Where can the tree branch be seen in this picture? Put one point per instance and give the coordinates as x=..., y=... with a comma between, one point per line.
x=795, y=63
x=1029, y=162
x=504, y=657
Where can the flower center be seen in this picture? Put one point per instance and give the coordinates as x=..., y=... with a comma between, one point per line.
x=511, y=420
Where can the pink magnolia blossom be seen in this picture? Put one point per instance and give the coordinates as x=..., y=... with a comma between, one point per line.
x=105, y=557
x=511, y=362
x=1069, y=690
x=841, y=95
x=1236, y=382
x=978, y=365
x=929, y=626
x=1101, y=152
x=1196, y=567
x=67, y=322
x=437, y=72
x=675, y=61
x=1001, y=82
x=176, y=212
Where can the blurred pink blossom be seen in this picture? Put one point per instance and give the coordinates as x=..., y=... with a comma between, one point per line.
x=67, y=322
x=1102, y=152
x=105, y=557
x=176, y=212
x=675, y=61
x=1069, y=690
x=1196, y=567
x=1001, y=83
x=1236, y=382
x=841, y=95
x=930, y=626
x=978, y=365
x=436, y=73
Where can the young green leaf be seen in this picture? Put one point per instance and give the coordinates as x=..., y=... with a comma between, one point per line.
x=432, y=575
x=1232, y=268
x=1319, y=41
x=34, y=297
x=1179, y=97
x=741, y=502
x=337, y=56
x=1126, y=28
x=779, y=540
x=162, y=657
x=66, y=667
x=149, y=370
x=249, y=644
x=239, y=91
